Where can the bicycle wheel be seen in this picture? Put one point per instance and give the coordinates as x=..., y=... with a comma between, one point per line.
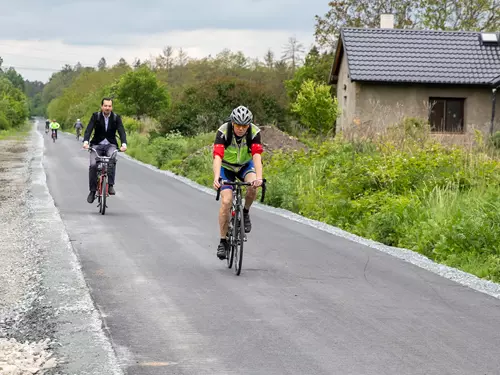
x=238, y=243
x=104, y=193
x=231, y=239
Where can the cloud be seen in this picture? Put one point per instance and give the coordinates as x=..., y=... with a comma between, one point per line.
x=47, y=57
x=93, y=21
x=50, y=33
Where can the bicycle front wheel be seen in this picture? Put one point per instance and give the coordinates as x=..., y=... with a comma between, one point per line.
x=232, y=240
x=238, y=243
x=104, y=193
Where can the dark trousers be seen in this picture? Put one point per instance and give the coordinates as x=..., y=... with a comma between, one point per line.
x=102, y=150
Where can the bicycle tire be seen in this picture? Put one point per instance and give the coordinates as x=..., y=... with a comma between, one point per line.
x=238, y=248
x=231, y=239
x=104, y=193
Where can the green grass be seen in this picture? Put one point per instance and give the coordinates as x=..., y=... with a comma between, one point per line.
x=16, y=133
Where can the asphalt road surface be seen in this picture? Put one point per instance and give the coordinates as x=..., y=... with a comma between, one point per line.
x=307, y=302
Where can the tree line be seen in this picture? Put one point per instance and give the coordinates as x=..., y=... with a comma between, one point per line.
x=180, y=93
x=14, y=106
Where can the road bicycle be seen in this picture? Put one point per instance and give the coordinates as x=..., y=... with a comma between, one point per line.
x=236, y=235
x=103, y=163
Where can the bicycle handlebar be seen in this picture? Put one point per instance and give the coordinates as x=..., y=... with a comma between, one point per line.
x=104, y=159
x=235, y=183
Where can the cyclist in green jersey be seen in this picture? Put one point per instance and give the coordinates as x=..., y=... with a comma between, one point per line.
x=237, y=154
x=54, y=125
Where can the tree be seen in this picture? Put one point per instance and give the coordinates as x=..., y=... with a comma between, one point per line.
x=208, y=103
x=467, y=15
x=316, y=67
x=228, y=60
x=316, y=107
x=168, y=54
x=14, y=77
x=269, y=59
x=141, y=93
x=14, y=107
x=361, y=13
x=293, y=52
x=477, y=15
x=182, y=57
x=101, y=65
x=57, y=83
x=122, y=63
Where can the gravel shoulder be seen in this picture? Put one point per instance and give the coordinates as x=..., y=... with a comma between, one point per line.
x=48, y=322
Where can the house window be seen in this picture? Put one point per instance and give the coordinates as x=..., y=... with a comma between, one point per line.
x=446, y=115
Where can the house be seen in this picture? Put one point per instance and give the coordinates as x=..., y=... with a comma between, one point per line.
x=448, y=77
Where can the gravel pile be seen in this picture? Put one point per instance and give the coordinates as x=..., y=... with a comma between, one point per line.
x=25, y=358
x=48, y=322
x=25, y=329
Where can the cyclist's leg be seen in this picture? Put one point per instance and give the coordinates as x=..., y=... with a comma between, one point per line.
x=92, y=175
x=224, y=211
x=226, y=200
x=112, y=169
x=248, y=175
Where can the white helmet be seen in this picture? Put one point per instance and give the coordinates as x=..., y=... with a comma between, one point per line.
x=78, y=120
x=241, y=116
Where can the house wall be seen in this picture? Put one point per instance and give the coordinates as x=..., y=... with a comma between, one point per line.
x=381, y=105
x=346, y=96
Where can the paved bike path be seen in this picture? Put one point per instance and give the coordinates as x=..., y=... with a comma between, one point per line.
x=307, y=302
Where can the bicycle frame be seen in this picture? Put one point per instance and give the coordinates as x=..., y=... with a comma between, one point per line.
x=102, y=178
x=235, y=233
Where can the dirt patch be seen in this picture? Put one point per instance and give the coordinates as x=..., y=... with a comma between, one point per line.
x=10, y=177
x=274, y=139
x=17, y=148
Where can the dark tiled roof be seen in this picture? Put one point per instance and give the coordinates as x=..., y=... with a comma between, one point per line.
x=418, y=56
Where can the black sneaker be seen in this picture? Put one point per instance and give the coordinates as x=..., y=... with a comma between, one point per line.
x=221, y=250
x=246, y=222
x=91, y=197
x=111, y=190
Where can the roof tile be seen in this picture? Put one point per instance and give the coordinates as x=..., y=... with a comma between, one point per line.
x=424, y=56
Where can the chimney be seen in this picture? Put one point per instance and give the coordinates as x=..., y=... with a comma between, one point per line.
x=387, y=21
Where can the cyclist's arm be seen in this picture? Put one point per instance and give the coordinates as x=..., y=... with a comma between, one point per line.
x=121, y=131
x=218, y=154
x=257, y=150
x=88, y=131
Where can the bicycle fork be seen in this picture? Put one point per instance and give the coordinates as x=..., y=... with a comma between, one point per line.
x=233, y=215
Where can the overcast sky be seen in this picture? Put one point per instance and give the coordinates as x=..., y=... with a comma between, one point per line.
x=38, y=37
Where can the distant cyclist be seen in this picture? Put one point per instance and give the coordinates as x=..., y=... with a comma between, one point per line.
x=79, y=127
x=47, y=125
x=54, y=125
